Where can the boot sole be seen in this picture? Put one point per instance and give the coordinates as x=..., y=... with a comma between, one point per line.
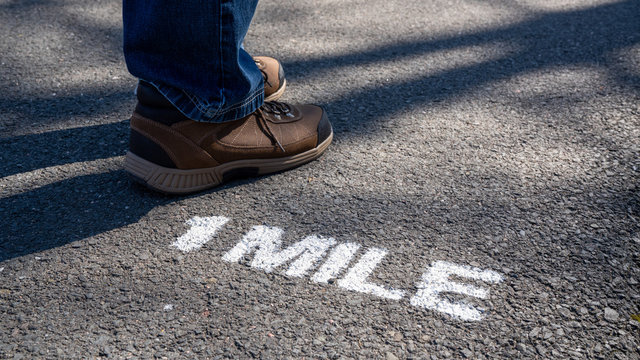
x=276, y=95
x=177, y=182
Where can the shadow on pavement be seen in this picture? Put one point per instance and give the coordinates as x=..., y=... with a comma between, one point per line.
x=84, y=206
x=35, y=151
x=588, y=37
x=70, y=210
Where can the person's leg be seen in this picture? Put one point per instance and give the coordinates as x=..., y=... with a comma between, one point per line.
x=191, y=51
x=200, y=118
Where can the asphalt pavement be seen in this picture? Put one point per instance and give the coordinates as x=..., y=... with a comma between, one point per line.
x=481, y=198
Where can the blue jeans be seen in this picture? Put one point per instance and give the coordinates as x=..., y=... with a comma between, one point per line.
x=191, y=51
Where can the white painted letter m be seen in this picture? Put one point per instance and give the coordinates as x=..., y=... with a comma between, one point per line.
x=265, y=241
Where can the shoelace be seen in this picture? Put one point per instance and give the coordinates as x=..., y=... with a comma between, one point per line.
x=272, y=107
x=261, y=67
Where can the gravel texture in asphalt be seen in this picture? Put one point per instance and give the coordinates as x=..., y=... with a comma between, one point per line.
x=482, y=191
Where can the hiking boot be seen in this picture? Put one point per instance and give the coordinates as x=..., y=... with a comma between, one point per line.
x=273, y=74
x=173, y=154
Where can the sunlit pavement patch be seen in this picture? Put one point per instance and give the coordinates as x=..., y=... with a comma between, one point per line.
x=27, y=181
x=264, y=242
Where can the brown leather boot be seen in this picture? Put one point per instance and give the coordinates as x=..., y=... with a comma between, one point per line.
x=173, y=154
x=273, y=74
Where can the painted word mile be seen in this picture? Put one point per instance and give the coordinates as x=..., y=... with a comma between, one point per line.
x=324, y=260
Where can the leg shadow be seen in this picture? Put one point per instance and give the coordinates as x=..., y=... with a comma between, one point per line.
x=70, y=210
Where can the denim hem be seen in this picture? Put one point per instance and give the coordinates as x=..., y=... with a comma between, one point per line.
x=196, y=109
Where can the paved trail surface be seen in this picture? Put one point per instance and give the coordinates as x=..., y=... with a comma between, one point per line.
x=481, y=198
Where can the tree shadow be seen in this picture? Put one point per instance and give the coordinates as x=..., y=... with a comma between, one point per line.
x=588, y=37
x=73, y=209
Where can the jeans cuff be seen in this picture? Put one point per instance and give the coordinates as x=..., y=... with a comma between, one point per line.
x=197, y=109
